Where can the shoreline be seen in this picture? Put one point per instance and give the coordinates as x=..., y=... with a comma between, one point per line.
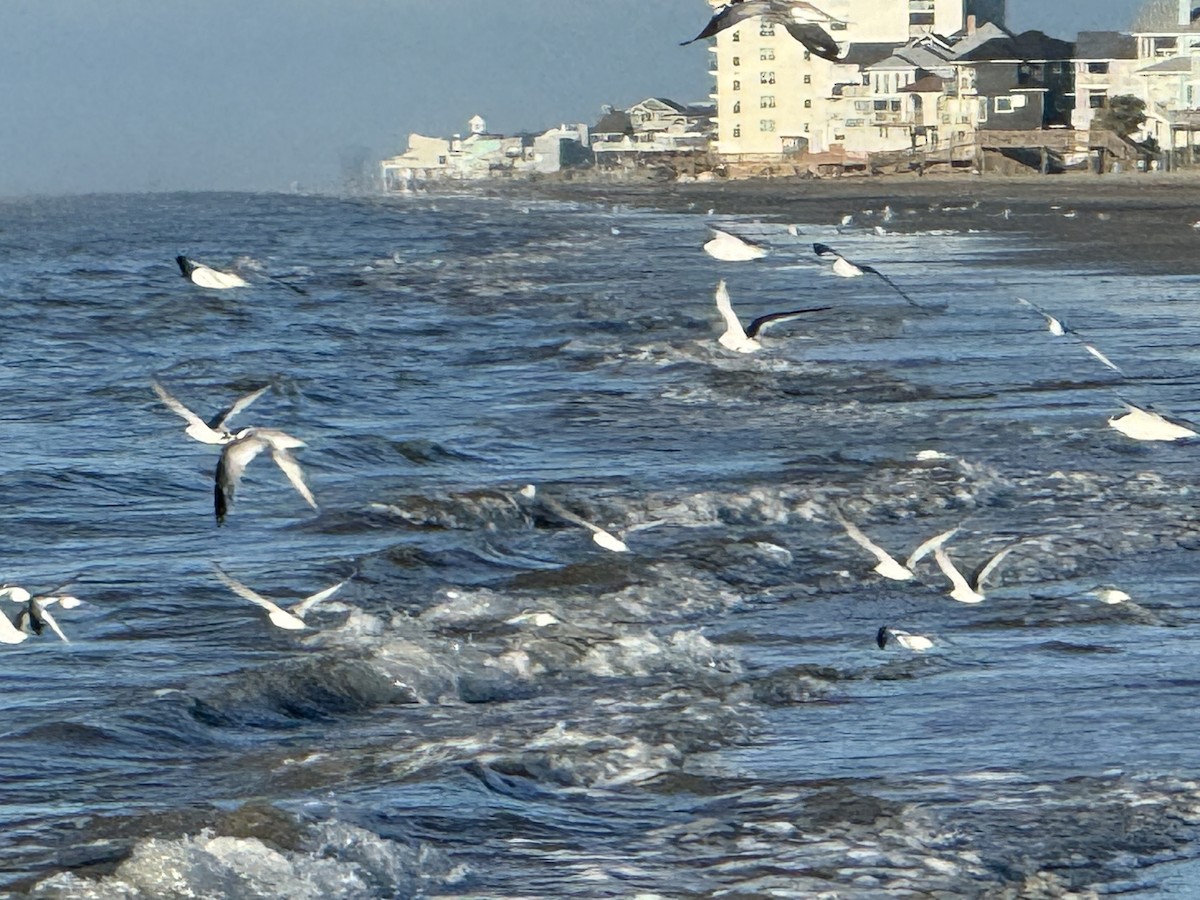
x=1136, y=221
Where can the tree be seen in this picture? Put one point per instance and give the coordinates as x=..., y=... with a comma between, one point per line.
x=1124, y=114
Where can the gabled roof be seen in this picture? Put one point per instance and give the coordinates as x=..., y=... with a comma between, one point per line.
x=1104, y=45
x=867, y=54
x=615, y=122
x=1027, y=46
x=965, y=42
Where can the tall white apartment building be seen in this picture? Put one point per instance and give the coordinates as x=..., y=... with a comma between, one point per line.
x=773, y=96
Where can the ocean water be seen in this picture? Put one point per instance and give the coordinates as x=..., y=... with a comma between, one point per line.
x=495, y=706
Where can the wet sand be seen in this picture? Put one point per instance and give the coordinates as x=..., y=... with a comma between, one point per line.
x=1131, y=221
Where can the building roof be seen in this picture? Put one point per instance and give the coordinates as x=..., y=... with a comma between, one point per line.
x=927, y=85
x=1169, y=66
x=1101, y=45
x=1162, y=17
x=964, y=41
x=615, y=122
x=867, y=54
x=1026, y=46
x=665, y=102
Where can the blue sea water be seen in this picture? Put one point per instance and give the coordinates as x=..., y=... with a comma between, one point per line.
x=494, y=706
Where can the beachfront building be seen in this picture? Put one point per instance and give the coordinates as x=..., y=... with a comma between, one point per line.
x=655, y=126
x=1106, y=64
x=776, y=98
x=1168, y=43
x=482, y=154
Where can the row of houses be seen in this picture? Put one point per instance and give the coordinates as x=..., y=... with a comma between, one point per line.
x=653, y=127
x=944, y=76
x=914, y=77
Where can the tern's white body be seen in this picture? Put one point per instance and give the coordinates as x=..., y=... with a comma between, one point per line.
x=731, y=248
x=887, y=565
x=1145, y=425
x=918, y=643
x=845, y=268
x=206, y=277
x=968, y=591
x=735, y=337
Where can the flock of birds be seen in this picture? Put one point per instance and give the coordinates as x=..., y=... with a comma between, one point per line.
x=240, y=447
x=1141, y=423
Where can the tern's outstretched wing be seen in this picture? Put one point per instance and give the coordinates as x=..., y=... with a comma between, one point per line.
x=856, y=535
x=815, y=39
x=763, y=322
x=219, y=420
x=729, y=15
x=980, y=575
x=929, y=546
x=301, y=609
x=234, y=459
x=294, y=473
x=725, y=308
x=197, y=427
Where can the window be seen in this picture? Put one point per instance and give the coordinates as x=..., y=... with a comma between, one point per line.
x=737, y=36
x=867, y=79
x=808, y=104
x=766, y=77
x=737, y=106
x=808, y=79
x=766, y=53
x=920, y=18
x=1097, y=68
x=807, y=55
x=895, y=105
x=766, y=125
x=737, y=130
x=737, y=60
x=806, y=128
x=837, y=26
x=737, y=85
x=880, y=105
x=441, y=160
x=1003, y=104
x=1097, y=99
x=766, y=102
x=766, y=29
x=862, y=105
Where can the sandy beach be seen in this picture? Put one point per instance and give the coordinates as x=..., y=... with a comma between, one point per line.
x=1132, y=221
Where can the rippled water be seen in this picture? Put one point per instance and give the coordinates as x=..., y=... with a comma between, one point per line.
x=495, y=706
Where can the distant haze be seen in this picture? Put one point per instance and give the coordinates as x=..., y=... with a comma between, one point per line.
x=134, y=95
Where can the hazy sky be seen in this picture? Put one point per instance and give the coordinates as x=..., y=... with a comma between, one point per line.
x=132, y=95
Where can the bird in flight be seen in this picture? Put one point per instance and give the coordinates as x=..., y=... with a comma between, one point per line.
x=801, y=20
x=888, y=566
x=1056, y=327
x=745, y=340
x=291, y=619
x=213, y=431
x=846, y=269
x=238, y=453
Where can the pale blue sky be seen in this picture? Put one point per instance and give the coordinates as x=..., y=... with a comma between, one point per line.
x=103, y=95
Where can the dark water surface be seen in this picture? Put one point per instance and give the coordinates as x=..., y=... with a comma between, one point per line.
x=495, y=706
